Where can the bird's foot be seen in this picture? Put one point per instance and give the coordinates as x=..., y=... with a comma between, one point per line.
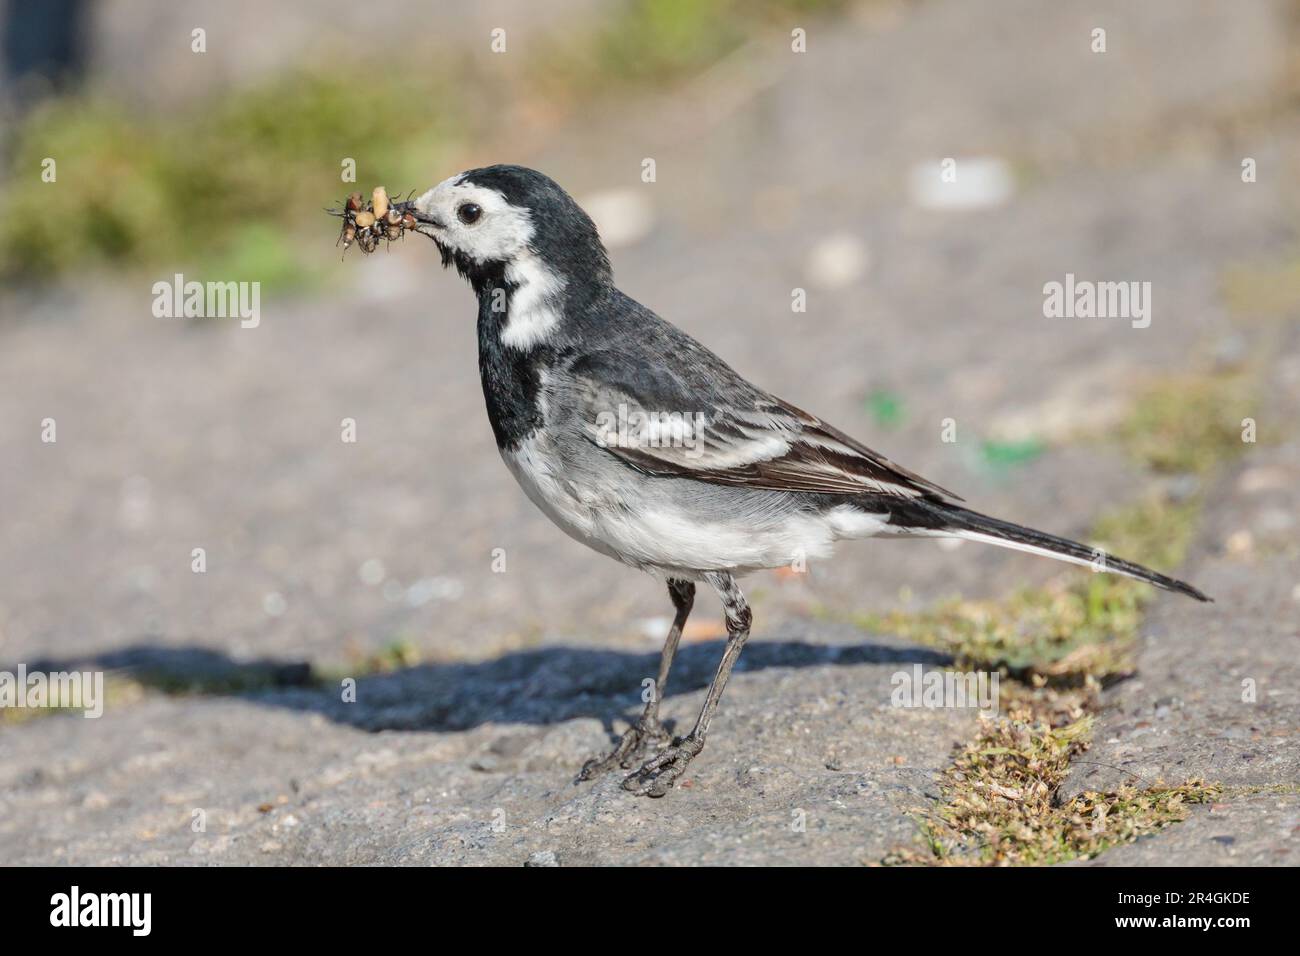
x=632, y=744
x=656, y=776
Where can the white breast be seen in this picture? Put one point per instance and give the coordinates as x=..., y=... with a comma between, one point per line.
x=537, y=468
x=671, y=533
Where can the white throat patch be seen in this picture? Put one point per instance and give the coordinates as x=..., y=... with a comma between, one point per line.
x=534, y=303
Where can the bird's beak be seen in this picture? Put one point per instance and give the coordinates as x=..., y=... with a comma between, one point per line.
x=426, y=222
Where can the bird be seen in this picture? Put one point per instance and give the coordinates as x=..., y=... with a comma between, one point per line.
x=641, y=443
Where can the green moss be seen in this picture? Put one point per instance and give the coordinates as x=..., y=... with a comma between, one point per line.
x=1189, y=423
x=1154, y=531
x=219, y=189
x=124, y=687
x=1065, y=635
x=119, y=690
x=657, y=40
x=999, y=797
x=653, y=41
x=1271, y=290
x=394, y=656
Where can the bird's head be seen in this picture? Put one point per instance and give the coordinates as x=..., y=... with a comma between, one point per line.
x=505, y=223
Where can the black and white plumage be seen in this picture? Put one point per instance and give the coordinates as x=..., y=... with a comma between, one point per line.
x=727, y=478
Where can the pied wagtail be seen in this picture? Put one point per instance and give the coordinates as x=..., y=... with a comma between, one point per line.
x=641, y=443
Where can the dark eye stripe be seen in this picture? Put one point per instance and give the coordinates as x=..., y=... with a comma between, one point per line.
x=469, y=212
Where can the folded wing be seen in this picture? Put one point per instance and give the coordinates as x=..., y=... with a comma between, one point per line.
x=701, y=420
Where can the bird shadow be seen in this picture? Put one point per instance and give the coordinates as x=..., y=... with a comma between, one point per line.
x=540, y=686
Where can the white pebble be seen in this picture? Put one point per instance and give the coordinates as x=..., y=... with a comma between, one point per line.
x=979, y=182
x=274, y=604
x=372, y=572
x=428, y=589
x=655, y=627
x=837, y=261
x=623, y=216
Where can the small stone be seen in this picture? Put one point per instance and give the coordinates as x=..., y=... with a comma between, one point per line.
x=1254, y=480
x=654, y=628
x=1240, y=543
x=977, y=182
x=543, y=858
x=837, y=261
x=372, y=572
x=622, y=216
x=429, y=589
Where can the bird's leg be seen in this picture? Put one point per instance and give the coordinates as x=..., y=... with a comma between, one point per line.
x=656, y=776
x=647, y=727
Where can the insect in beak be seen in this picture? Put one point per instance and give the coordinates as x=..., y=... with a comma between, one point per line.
x=367, y=223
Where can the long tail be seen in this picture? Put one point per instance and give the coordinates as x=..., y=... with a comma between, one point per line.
x=933, y=517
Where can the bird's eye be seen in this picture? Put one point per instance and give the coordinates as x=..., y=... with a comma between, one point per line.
x=469, y=213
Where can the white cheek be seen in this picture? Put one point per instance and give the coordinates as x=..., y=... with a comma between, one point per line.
x=501, y=235
x=427, y=202
x=438, y=200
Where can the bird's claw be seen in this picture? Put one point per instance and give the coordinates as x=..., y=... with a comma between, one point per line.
x=657, y=775
x=630, y=746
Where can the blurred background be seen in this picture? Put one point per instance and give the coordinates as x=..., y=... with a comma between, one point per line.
x=775, y=170
x=798, y=148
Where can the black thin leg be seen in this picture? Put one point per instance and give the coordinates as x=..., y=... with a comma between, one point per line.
x=648, y=728
x=656, y=776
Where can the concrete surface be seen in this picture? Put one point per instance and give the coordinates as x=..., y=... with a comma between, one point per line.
x=173, y=437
